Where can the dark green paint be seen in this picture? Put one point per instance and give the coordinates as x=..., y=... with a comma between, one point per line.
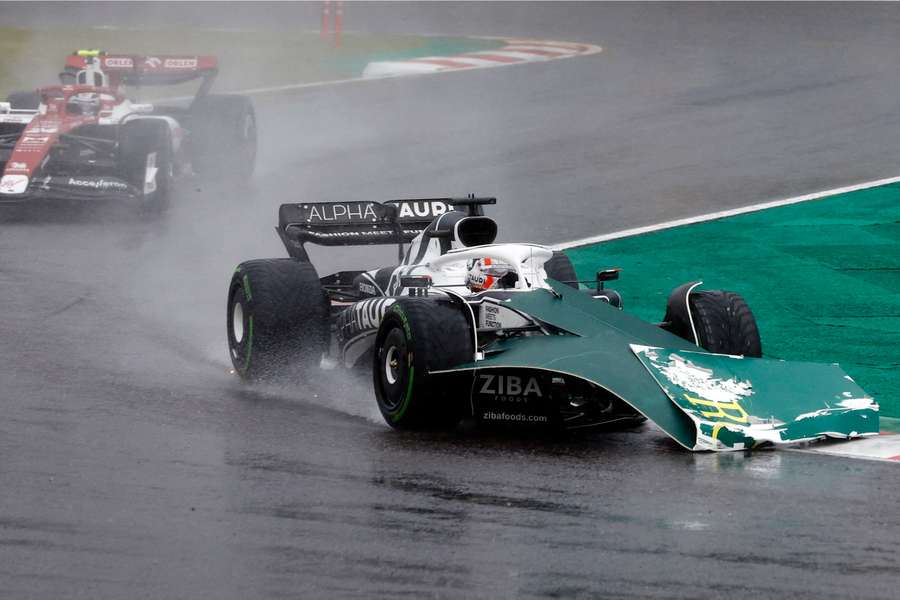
x=780, y=401
x=599, y=351
x=597, y=348
x=822, y=278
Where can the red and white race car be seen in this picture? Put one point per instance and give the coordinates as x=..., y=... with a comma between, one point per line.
x=84, y=139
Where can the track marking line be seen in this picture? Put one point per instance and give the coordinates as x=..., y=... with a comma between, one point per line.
x=615, y=235
x=420, y=66
x=883, y=447
x=497, y=58
x=448, y=63
x=515, y=51
x=537, y=51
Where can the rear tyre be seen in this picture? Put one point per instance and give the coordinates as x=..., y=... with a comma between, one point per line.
x=560, y=268
x=145, y=160
x=223, y=137
x=417, y=337
x=725, y=324
x=277, y=319
x=24, y=100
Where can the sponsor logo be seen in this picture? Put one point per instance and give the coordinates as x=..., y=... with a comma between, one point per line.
x=341, y=212
x=509, y=388
x=478, y=279
x=98, y=184
x=346, y=235
x=490, y=316
x=32, y=143
x=16, y=166
x=34, y=140
x=118, y=62
x=152, y=62
x=421, y=208
x=13, y=184
x=180, y=63
x=518, y=417
x=367, y=288
x=367, y=314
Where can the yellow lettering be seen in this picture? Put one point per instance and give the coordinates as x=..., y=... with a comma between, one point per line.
x=731, y=411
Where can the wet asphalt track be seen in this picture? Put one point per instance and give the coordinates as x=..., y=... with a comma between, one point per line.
x=133, y=465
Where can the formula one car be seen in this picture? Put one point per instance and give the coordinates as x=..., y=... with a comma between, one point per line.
x=86, y=140
x=464, y=327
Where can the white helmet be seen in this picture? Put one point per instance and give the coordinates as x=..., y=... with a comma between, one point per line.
x=486, y=274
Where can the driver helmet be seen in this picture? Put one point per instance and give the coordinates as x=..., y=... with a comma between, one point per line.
x=86, y=103
x=489, y=274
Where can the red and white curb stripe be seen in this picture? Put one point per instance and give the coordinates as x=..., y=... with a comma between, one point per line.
x=885, y=446
x=515, y=51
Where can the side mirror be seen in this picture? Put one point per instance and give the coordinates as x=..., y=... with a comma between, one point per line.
x=606, y=275
x=417, y=284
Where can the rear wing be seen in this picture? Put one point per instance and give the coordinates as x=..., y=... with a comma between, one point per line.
x=364, y=223
x=134, y=70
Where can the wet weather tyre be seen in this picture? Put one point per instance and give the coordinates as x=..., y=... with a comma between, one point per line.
x=725, y=324
x=277, y=319
x=418, y=336
x=560, y=268
x=24, y=100
x=223, y=137
x=145, y=161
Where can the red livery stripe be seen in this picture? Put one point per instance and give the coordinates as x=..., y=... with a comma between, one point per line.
x=443, y=62
x=535, y=51
x=497, y=58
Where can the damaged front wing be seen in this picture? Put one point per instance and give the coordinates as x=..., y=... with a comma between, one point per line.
x=737, y=403
x=703, y=401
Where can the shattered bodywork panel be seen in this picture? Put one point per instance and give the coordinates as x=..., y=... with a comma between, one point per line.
x=737, y=403
x=703, y=401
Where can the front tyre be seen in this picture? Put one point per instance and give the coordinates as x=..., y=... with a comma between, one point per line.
x=560, y=268
x=145, y=161
x=725, y=324
x=417, y=337
x=277, y=319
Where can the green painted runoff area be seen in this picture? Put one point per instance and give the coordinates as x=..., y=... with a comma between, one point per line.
x=822, y=279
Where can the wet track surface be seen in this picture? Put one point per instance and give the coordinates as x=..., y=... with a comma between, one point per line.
x=132, y=464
